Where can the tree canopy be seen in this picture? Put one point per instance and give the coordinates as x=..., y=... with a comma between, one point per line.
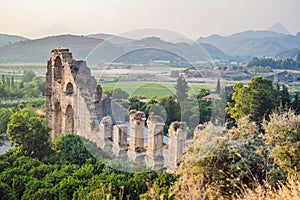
x=28, y=133
x=258, y=99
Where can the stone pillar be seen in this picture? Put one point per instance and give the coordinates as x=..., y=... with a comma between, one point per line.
x=177, y=136
x=104, y=139
x=120, y=145
x=137, y=151
x=155, y=158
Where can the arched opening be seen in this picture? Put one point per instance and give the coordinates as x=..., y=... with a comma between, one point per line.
x=69, y=89
x=69, y=119
x=57, y=120
x=57, y=69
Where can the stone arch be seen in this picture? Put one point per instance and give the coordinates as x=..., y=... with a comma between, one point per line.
x=57, y=120
x=69, y=89
x=57, y=69
x=69, y=119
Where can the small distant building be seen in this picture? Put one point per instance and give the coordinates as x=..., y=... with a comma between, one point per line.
x=212, y=97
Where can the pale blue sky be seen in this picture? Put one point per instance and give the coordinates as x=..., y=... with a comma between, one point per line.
x=193, y=18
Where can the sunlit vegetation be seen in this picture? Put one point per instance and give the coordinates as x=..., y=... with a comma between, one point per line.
x=255, y=155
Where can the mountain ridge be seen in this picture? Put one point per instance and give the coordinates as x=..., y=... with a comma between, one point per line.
x=98, y=50
x=239, y=46
x=6, y=39
x=252, y=43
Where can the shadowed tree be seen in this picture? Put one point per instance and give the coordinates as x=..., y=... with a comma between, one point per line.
x=181, y=88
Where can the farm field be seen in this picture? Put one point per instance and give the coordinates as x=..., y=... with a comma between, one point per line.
x=147, y=89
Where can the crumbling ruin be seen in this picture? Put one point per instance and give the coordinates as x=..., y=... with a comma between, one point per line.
x=74, y=103
x=177, y=136
x=155, y=159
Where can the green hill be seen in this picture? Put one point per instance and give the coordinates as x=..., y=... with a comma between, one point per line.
x=10, y=39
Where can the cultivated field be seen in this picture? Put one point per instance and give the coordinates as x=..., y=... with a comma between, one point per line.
x=147, y=89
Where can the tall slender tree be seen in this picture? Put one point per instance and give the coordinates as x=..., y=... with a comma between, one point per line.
x=182, y=89
x=12, y=84
x=218, y=88
x=296, y=104
x=285, y=97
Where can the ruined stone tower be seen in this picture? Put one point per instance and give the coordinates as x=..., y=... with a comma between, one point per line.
x=177, y=136
x=105, y=134
x=137, y=151
x=73, y=98
x=120, y=145
x=154, y=158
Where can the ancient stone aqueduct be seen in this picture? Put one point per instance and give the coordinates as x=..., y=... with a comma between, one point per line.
x=74, y=103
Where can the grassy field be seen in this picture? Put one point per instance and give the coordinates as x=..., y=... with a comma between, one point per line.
x=147, y=89
x=18, y=69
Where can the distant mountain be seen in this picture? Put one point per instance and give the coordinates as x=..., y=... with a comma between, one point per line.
x=10, y=39
x=38, y=51
x=253, y=43
x=111, y=38
x=97, y=51
x=279, y=28
x=291, y=53
x=214, y=52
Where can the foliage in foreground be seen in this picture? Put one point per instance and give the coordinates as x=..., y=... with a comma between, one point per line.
x=290, y=190
x=222, y=164
x=70, y=167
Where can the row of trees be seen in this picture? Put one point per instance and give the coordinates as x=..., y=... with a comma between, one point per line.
x=287, y=63
x=30, y=86
x=259, y=99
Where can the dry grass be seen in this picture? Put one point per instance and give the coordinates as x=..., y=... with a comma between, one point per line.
x=290, y=191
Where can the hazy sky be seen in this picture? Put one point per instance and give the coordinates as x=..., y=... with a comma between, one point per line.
x=193, y=18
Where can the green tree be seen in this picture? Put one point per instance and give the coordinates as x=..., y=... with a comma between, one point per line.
x=33, y=187
x=7, y=82
x=72, y=149
x=28, y=76
x=181, y=88
x=257, y=100
x=6, y=193
x=28, y=133
x=241, y=105
x=296, y=104
x=3, y=79
x=31, y=89
x=172, y=108
x=219, y=164
x=262, y=98
x=218, y=88
x=21, y=85
x=12, y=84
x=285, y=99
x=283, y=133
x=135, y=103
x=5, y=114
x=204, y=105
